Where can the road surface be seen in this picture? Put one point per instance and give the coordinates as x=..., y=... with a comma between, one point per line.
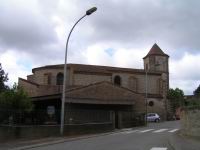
x=156, y=136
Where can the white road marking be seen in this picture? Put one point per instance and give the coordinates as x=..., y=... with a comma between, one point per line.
x=146, y=130
x=127, y=129
x=158, y=148
x=161, y=130
x=128, y=132
x=173, y=130
x=116, y=133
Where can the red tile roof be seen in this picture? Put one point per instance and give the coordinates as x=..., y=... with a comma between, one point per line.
x=155, y=50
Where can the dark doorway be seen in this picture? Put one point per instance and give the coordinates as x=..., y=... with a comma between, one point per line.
x=116, y=119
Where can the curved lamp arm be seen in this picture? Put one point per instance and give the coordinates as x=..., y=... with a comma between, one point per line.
x=88, y=12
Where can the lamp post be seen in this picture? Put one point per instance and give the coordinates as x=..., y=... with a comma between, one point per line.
x=146, y=94
x=88, y=12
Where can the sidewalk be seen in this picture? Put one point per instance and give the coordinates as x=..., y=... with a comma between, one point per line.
x=19, y=143
x=23, y=144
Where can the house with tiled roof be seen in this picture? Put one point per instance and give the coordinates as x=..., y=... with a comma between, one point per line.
x=107, y=88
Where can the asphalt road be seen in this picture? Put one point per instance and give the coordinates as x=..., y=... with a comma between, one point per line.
x=156, y=136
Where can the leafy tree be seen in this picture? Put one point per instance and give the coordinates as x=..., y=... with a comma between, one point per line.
x=176, y=98
x=14, y=102
x=197, y=91
x=3, y=79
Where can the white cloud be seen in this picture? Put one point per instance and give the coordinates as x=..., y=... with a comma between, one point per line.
x=131, y=58
x=14, y=66
x=96, y=55
x=186, y=68
x=184, y=73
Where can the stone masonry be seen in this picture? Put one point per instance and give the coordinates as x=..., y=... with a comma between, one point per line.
x=47, y=80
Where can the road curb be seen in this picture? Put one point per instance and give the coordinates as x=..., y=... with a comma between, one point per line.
x=67, y=140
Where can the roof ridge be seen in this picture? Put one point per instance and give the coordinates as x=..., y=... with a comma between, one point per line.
x=29, y=81
x=101, y=82
x=155, y=50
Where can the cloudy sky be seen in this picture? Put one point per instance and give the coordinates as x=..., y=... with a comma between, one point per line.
x=33, y=33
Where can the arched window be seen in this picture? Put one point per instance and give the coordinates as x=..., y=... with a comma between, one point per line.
x=117, y=80
x=59, y=79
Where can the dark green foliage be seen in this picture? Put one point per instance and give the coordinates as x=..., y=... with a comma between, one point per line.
x=197, y=91
x=193, y=103
x=15, y=98
x=3, y=79
x=13, y=103
x=176, y=98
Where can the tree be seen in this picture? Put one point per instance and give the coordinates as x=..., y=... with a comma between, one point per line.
x=13, y=103
x=3, y=79
x=176, y=98
x=197, y=91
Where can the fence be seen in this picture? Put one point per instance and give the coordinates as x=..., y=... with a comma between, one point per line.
x=131, y=119
x=36, y=124
x=40, y=123
x=42, y=117
x=121, y=119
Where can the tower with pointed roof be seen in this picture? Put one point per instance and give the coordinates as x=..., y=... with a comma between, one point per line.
x=157, y=61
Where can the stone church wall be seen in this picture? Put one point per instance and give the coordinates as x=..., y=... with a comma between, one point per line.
x=158, y=107
x=86, y=79
x=153, y=82
x=41, y=79
x=31, y=89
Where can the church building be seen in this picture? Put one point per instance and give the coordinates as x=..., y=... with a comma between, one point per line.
x=92, y=87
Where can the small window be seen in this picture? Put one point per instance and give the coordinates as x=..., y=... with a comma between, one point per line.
x=59, y=79
x=117, y=80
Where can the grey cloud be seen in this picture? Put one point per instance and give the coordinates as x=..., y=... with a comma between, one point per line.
x=22, y=29
x=141, y=22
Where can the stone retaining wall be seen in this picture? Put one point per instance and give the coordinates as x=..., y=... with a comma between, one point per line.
x=190, y=122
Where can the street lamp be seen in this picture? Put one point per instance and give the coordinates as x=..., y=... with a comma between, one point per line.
x=88, y=12
x=146, y=94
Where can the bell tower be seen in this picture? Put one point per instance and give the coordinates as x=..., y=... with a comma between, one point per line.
x=156, y=60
